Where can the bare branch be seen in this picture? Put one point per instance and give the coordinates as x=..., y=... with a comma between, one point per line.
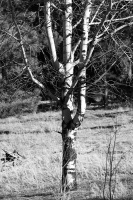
x=121, y=19
x=50, y=36
x=41, y=85
x=54, y=6
x=104, y=74
x=99, y=37
x=90, y=40
x=94, y=42
x=104, y=18
x=111, y=20
x=108, y=26
x=20, y=40
x=121, y=27
x=77, y=23
x=97, y=12
x=10, y=35
x=76, y=46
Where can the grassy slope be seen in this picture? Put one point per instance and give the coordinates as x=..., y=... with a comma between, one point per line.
x=37, y=138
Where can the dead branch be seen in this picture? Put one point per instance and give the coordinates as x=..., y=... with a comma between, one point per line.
x=20, y=40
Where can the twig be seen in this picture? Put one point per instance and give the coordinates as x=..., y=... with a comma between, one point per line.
x=20, y=40
x=94, y=41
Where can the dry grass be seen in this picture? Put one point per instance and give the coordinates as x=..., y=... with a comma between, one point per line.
x=38, y=176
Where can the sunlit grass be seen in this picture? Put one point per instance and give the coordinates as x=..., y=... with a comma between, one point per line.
x=36, y=137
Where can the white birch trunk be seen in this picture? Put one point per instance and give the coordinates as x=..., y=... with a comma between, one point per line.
x=70, y=123
x=68, y=134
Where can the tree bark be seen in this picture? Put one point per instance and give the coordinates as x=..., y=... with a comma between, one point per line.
x=71, y=123
x=68, y=133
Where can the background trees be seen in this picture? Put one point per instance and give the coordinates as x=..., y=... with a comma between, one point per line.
x=112, y=49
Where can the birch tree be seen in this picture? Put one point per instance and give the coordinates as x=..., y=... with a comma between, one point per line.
x=70, y=122
x=97, y=23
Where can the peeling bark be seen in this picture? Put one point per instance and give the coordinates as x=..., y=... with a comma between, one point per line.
x=71, y=123
x=69, y=181
x=68, y=132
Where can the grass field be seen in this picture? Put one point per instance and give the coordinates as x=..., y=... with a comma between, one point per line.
x=104, y=164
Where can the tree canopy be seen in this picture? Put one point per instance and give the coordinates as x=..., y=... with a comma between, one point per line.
x=110, y=33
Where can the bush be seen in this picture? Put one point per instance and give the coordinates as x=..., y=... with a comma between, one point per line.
x=15, y=108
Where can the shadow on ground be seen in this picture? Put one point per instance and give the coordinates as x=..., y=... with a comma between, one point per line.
x=105, y=127
x=4, y=132
x=113, y=114
x=45, y=196
x=51, y=196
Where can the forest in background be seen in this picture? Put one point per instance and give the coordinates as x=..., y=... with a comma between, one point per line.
x=110, y=69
